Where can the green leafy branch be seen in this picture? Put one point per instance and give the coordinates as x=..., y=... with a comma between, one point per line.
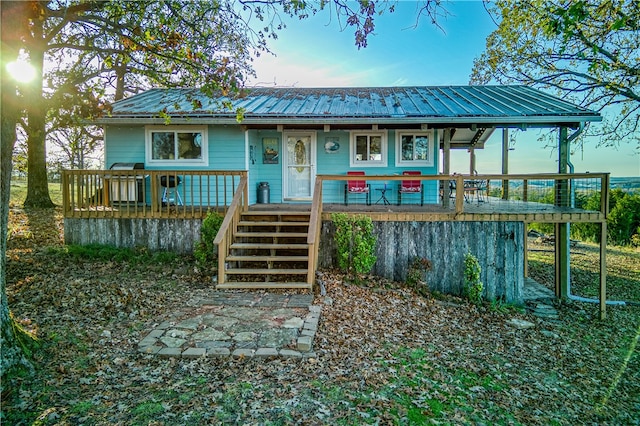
x=355, y=243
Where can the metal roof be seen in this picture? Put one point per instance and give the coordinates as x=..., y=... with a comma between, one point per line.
x=484, y=106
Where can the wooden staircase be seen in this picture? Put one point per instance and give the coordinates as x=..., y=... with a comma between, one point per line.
x=269, y=250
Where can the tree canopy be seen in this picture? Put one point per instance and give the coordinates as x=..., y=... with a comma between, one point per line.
x=587, y=51
x=87, y=54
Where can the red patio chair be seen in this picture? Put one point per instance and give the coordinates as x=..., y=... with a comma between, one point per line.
x=411, y=186
x=356, y=187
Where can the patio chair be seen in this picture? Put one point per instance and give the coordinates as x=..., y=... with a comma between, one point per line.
x=447, y=188
x=411, y=186
x=475, y=188
x=357, y=187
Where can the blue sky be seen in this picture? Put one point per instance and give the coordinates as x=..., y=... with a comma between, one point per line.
x=315, y=53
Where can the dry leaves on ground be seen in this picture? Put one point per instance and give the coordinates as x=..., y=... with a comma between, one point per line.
x=383, y=355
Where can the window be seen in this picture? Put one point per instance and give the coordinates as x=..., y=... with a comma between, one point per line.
x=368, y=149
x=176, y=145
x=414, y=149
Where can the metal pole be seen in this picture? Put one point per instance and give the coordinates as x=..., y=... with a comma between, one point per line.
x=563, y=260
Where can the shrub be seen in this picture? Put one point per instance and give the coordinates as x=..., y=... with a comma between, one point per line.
x=624, y=217
x=472, y=285
x=416, y=275
x=205, y=251
x=355, y=243
x=623, y=221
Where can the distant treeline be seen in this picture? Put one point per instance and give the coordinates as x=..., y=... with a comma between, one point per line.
x=623, y=222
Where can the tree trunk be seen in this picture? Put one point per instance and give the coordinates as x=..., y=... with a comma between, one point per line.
x=12, y=17
x=37, y=180
x=120, y=73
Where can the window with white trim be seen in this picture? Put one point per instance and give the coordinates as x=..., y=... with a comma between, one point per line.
x=176, y=145
x=414, y=148
x=368, y=149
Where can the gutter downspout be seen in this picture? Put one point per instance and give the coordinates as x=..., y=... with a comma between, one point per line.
x=573, y=203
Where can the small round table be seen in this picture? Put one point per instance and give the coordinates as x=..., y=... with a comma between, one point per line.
x=383, y=195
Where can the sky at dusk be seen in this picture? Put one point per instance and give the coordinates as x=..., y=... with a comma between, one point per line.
x=315, y=53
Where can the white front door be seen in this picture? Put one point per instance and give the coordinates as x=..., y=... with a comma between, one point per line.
x=299, y=165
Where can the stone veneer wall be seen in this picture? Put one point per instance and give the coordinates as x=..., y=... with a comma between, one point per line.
x=499, y=247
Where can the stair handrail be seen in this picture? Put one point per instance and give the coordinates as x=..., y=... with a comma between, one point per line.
x=313, y=237
x=229, y=226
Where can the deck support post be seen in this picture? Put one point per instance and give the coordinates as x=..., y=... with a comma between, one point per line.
x=603, y=270
x=446, y=165
x=562, y=260
x=505, y=163
x=472, y=161
x=562, y=242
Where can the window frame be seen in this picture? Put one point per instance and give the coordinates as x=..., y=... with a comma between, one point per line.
x=204, y=153
x=429, y=162
x=369, y=163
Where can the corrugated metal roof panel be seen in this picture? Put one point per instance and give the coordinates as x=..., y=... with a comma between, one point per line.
x=448, y=104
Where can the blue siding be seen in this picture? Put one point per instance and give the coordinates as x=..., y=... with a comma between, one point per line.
x=338, y=164
x=227, y=152
x=335, y=163
x=261, y=172
x=127, y=144
x=124, y=144
x=226, y=148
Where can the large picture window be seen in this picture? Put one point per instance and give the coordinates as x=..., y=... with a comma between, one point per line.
x=414, y=149
x=176, y=145
x=368, y=149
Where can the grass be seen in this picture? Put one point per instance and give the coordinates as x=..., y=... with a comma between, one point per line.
x=19, y=192
x=147, y=411
x=106, y=253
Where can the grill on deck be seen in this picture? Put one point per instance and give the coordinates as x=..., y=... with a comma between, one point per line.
x=124, y=188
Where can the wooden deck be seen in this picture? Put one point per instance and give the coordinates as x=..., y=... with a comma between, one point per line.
x=492, y=209
x=136, y=194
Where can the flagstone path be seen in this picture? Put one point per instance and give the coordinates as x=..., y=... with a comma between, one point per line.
x=238, y=324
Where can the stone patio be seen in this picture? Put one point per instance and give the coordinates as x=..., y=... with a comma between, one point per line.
x=239, y=324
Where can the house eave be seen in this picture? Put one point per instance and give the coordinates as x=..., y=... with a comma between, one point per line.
x=440, y=122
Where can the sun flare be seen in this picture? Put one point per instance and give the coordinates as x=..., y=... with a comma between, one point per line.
x=21, y=71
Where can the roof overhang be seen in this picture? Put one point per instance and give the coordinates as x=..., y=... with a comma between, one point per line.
x=435, y=122
x=460, y=107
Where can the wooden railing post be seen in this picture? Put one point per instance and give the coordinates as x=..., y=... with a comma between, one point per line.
x=604, y=195
x=66, y=206
x=459, y=194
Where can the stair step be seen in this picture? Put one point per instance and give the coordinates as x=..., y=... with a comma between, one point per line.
x=268, y=246
x=271, y=223
x=275, y=213
x=263, y=285
x=235, y=258
x=276, y=217
x=266, y=271
x=272, y=234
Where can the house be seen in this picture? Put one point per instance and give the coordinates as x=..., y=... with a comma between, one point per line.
x=291, y=149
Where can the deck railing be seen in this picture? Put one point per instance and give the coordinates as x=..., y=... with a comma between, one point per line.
x=229, y=226
x=147, y=193
x=315, y=225
x=458, y=194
